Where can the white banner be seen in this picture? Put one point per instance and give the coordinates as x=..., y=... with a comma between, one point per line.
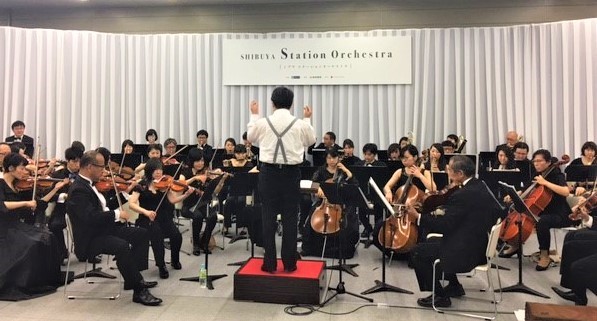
x=318, y=61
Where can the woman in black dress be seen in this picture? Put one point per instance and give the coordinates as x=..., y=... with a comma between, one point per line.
x=29, y=256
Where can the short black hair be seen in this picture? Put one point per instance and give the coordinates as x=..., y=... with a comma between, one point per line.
x=282, y=97
x=332, y=152
x=244, y=136
x=403, y=138
x=544, y=153
x=14, y=160
x=371, y=148
x=195, y=154
x=230, y=139
x=78, y=144
x=105, y=152
x=447, y=143
x=454, y=137
x=89, y=158
x=332, y=136
x=125, y=143
x=202, y=132
x=240, y=148
x=151, y=147
x=521, y=145
x=73, y=153
x=394, y=147
x=348, y=142
x=411, y=149
x=588, y=145
x=151, y=132
x=17, y=124
x=460, y=163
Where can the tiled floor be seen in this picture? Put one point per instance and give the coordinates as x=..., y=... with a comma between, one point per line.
x=187, y=301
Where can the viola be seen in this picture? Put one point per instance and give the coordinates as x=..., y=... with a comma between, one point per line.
x=41, y=182
x=536, y=198
x=435, y=199
x=589, y=204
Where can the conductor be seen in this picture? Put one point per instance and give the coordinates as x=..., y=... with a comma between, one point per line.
x=282, y=139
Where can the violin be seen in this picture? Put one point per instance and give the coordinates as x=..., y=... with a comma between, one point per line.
x=107, y=184
x=168, y=182
x=42, y=183
x=435, y=199
x=536, y=198
x=169, y=160
x=588, y=205
x=122, y=171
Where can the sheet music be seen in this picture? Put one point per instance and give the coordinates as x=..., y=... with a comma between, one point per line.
x=381, y=196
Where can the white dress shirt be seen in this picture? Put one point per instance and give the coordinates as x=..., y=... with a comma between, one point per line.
x=300, y=135
x=102, y=199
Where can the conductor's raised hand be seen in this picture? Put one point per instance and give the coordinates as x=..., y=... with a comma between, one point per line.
x=307, y=112
x=254, y=107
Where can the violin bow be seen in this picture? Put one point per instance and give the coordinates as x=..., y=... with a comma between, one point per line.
x=212, y=158
x=35, y=175
x=121, y=164
x=168, y=189
x=178, y=151
x=114, y=185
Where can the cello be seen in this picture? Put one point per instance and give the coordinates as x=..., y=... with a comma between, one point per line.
x=536, y=198
x=399, y=233
x=326, y=217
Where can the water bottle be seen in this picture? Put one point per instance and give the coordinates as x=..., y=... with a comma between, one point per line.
x=203, y=276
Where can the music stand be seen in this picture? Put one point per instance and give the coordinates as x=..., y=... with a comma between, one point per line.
x=206, y=200
x=345, y=195
x=485, y=160
x=526, y=168
x=318, y=156
x=521, y=208
x=242, y=185
x=440, y=179
x=382, y=286
x=581, y=173
x=510, y=177
x=394, y=165
x=140, y=149
x=382, y=154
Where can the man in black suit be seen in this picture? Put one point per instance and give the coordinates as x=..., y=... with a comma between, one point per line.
x=329, y=142
x=202, y=144
x=469, y=214
x=18, y=129
x=95, y=230
x=579, y=259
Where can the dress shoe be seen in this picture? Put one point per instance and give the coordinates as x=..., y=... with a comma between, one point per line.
x=207, y=251
x=570, y=296
x=196, y=251
x=267, y=269
x=507, y=253
x=440, y=302
x=143, y=284
x=454, y=290
x=144, y=297
x=176, y=265
x=290, y=269
x=163, y=272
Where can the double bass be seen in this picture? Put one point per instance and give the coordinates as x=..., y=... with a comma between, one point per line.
x=399, y=233
x=536, y=198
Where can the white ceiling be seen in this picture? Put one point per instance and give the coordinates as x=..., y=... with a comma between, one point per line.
x=133, y=3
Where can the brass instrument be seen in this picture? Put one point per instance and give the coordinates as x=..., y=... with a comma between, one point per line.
x=411, y=138
x=521, y=138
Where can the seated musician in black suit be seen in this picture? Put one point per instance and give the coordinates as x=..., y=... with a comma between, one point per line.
x=579, y=257
x=370, y=159
x=329, y=142
x=469, y=214
x=349, y=159
x=95, y=229
x=18, y=129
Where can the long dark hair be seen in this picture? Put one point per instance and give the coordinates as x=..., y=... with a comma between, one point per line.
x=151, y=166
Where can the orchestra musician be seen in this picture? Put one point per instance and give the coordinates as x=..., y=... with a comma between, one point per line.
x=235, y=205
x=329, y=141
x=436, y=161
x=403, y=142
x=252, y=151
x=421, y=178
x=349, y=159
x=156, y=207
x=511, y=139
x=196, y=176
x=18, y=129
x=202, y=144
x=127, y=147
x=454, y=139
x=229, y=144
x=370, y=159
x=587, y=153
x=335, y=172
x=153, y=151
x=151, y=136
x=505, y=159
x=29, y=257
x=57, y=221
x=394, y=152
x=468, y=216
x=4, y=150
x=170, y=145
x=282, y=139
x=554, y=215
x=96, y=229
x=448, y=147
x=579, y=257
